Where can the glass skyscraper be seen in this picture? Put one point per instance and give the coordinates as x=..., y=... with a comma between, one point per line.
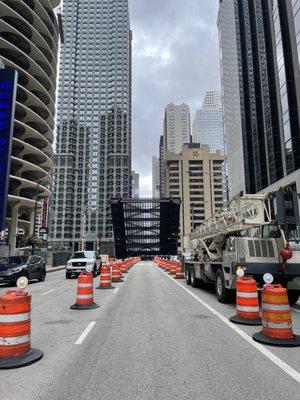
x=95, y=104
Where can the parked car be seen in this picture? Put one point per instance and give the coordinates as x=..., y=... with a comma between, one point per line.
x=12, y=268
x=82, y=261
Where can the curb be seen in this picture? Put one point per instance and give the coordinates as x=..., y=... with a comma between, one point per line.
x=55, y=269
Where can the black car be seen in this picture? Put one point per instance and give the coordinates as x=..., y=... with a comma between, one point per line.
x=11, y=268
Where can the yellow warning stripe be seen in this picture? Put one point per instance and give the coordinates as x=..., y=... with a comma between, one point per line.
x=277, y=316
x=270, y=298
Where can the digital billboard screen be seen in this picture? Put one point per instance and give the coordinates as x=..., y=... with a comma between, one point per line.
x=8, y=87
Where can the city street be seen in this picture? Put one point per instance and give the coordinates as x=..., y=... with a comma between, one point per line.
x=154, y=338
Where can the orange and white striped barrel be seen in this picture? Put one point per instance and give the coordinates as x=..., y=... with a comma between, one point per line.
x=247, y=304
x=179, y=274
x=124, y=267
x=105, y=278
x=276, y=314
x=116, y=275
x=15, y=331
x=15, y=323
x=172, y=268
x=276, y=318
x=85, y=292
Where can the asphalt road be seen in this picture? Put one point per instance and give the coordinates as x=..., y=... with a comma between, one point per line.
x=154, y=338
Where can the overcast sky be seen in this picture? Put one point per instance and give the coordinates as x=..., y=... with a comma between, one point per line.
x=175, y=59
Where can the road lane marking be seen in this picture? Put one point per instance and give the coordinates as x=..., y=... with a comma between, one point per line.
x=115, y=291
x=85, y=332
x=49, y=291
x=267, y=353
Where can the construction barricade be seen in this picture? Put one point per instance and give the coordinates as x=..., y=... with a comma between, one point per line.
x=15, y=331
x=85, y=293
x=247, y=304
x=276, y=318
x=105, y=278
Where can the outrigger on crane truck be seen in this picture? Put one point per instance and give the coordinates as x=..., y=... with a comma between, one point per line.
x=259, y=233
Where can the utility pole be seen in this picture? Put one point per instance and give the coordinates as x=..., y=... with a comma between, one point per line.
x=35, y=214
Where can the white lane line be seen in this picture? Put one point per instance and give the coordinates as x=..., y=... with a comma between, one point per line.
x=115, y=291
x=49, y=291
x=276, y=360
x=85, y=332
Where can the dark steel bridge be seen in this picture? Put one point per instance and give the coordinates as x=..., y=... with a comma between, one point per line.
x=145, y=227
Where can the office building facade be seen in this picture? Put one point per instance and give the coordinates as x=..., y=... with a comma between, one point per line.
x=194, y=176
x=177, y=127
x=29, y=44
x=95, y=95
x=267, y=43
x=208, y=122
x=155, y=178
x=135, y=185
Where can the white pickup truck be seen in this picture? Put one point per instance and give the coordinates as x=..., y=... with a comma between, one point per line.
x=83, y=261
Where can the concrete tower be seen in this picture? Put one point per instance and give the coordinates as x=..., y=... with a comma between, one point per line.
x=94, y=100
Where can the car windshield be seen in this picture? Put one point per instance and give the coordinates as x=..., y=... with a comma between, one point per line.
x=84, y=254
x=12, y=262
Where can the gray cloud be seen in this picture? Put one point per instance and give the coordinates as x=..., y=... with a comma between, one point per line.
x=175, y=59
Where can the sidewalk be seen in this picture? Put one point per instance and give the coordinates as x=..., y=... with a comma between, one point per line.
x=54, y=269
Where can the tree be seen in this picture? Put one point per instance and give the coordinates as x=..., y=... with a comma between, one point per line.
x=32, y=241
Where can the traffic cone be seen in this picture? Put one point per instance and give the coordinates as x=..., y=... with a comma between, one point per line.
x=15, y=330
x=179, y=273
x=276, y=318
x=116, y=275
x=105, y=278
x=85, y=293
x=247, y=304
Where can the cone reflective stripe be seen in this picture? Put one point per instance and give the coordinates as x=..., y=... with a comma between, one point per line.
x=247, y=304
x=105, y=278
x=276, y=318
x=15, y=330
x=172, y=268
x=85, y=292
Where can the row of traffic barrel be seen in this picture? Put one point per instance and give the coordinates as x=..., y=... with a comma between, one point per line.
x=274, y=315
x=15, y=309
x=171, y=267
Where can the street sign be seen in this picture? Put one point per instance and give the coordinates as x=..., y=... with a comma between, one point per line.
x=8, y=88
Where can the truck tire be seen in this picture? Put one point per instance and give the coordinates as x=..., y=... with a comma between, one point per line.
x=293, y=296
x=223, y=295
x=188, y=276
x=68, y=275
x=194, y=280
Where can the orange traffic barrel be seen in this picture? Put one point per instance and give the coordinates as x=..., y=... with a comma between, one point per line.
x=105, y=278
x=247, y=304
x=85, y=293
x=124, y=267
x=15, y=330
x=116, y=275
x=276, y=318
x=172, y=270
x=179, y=274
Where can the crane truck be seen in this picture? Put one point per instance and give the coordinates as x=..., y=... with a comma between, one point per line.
x=259, y=233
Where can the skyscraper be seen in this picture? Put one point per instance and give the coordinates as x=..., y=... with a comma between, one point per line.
x=269, y=88
x=135, y=185
x=177, y=127
x=231, y=97
x=94, y=99
x=155, y=177
x=29, y=45
x=208, y=122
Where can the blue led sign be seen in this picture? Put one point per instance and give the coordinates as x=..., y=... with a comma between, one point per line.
x=8, y=88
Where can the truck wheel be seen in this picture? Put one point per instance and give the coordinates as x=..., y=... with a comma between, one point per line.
x=194, y=280
x=223, y=295
x=293, y=296
x=188, y=276
x=68, y=275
